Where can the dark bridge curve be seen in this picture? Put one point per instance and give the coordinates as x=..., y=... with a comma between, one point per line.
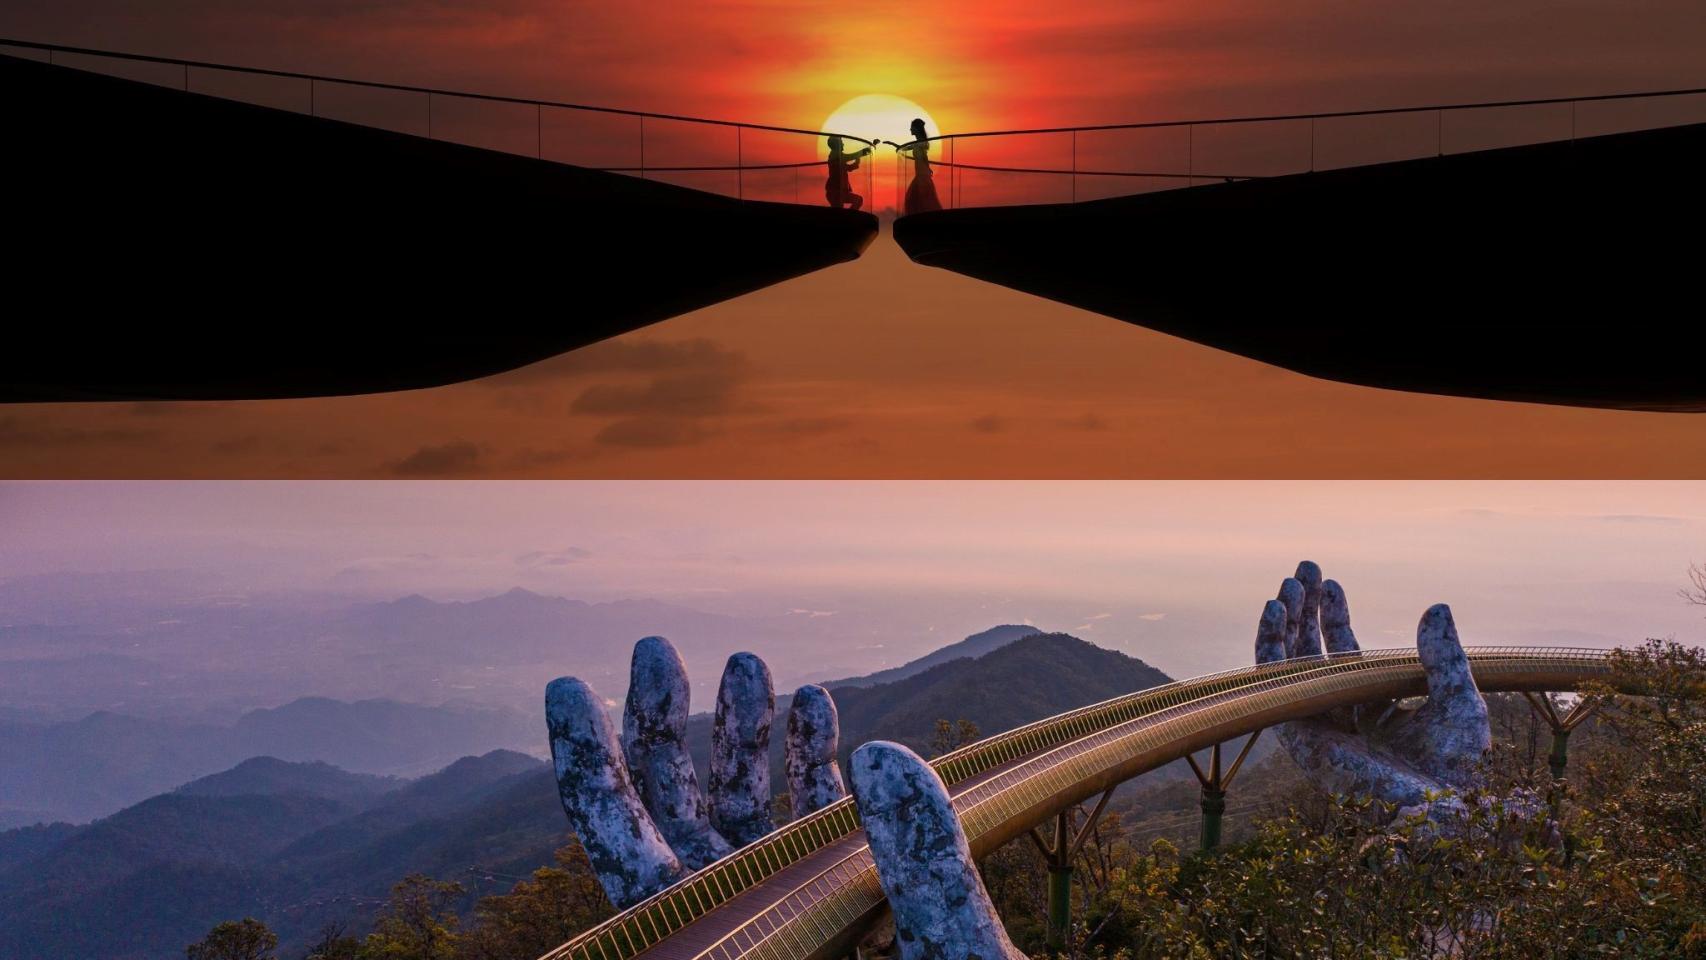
x=1561, y=273
x=172, y=245
x=809, y=890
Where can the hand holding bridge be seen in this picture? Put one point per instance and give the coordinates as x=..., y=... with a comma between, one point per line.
x=1391, y=752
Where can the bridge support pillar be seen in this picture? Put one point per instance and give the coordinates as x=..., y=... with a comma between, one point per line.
x=1059, y=904
x=1215, y=783
x=1059, y=855
x=1213, y=805
x=1542, y=706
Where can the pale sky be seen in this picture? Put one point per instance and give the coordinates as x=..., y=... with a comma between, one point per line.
x=1175, y=572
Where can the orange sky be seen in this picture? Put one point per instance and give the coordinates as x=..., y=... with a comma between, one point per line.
x=975, y=64
x=881, y=368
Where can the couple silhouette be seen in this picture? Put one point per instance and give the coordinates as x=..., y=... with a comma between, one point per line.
x=920, y=193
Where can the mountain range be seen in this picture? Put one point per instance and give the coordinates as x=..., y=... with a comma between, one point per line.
x=92, y=767
x=298, y=844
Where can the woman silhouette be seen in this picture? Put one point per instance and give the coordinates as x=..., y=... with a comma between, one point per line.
x=921, y=193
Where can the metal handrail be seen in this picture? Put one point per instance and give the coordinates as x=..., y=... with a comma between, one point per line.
x=407, y=88
x=1048, y=776
x=1331, y=115
x=956, y=180
x=1036, y=755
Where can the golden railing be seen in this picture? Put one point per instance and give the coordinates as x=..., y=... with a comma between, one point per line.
x=1035, y=770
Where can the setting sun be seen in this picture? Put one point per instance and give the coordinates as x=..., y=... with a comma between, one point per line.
x=877, y=116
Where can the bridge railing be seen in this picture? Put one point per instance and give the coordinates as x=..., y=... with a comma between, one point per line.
x=644, y=925
x=1070, y=164
x=794, y=926
x=751, y=161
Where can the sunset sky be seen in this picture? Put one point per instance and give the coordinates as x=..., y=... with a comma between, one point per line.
x=881, y=368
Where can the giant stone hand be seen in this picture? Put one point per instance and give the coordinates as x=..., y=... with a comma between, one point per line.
x=814, y=734
x=941, y=909
x=1393, y=753
x=629, y=854
x=637, y=806
x=740, y=751
x=654, y=740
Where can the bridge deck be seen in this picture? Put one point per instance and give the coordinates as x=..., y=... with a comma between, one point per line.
x=299, y=256
x=1488, y=274
x=772, y=896
x=818, y=903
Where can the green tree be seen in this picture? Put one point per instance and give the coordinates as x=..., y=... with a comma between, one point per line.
x=952, y=736
x=332, y=944
x=419, y=922
x=245, y=939
x=537, y=914
x=1617, y=869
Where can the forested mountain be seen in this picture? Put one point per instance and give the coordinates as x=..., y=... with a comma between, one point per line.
x=973, y=646
x=301, y=844
x=151, y=878
x=89, y=768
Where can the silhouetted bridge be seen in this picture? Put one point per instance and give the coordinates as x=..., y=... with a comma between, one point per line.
x=810, y=889
x=383, y=236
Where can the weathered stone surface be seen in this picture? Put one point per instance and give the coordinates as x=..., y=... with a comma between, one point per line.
x=814, y=734
x=1336, y=619
x=941, y=909
x=630, y=856
x=654, y=739
x=1291, y=596
x=740, y=751
x=1309, y=622
x=1270, y=633
x=1449, y=735
x=1395, y=755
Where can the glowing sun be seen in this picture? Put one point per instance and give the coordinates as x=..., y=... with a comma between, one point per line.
x=877, y=116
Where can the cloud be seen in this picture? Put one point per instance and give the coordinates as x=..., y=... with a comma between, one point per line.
x=551, y=456
x=552, y=558
x=696, y=394
x=374, y=570
x=1152, y=617
x=653, y=432
x=235, y=445
x=989, y=423
x=1643, y=518
x=807, y=426
x=457, y=456
x=164, y=408
x=1088, y=421
x=18, y=432
x=626, y=356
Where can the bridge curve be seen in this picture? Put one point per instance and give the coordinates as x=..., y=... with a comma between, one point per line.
x=359, y=253
x=810, y=889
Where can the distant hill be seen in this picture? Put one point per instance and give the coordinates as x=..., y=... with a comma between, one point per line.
x=270, y=775
x=973, y=646
x=314, y=843
x=1024, y=680
x=165, y=870
x=92, y=767
x=24, y=843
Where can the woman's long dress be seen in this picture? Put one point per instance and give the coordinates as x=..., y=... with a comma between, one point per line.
x=921, y=193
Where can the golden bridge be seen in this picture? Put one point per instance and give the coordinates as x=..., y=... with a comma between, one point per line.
x=810, y=889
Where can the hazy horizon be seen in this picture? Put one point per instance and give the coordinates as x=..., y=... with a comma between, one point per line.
x=823, y=579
